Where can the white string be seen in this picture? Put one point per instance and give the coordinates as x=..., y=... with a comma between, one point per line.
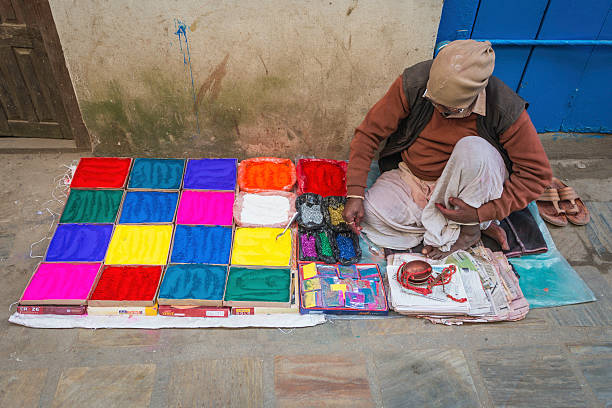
x=11, y=306
x=285, y=331
x=32, y=247
x=61, y=186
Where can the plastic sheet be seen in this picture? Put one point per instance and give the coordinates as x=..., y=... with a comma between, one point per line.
x=273, y=218
x=266, y=173
x=163, y=322
x=548, y=280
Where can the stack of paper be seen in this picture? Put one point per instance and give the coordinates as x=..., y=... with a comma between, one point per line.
x=484, y=278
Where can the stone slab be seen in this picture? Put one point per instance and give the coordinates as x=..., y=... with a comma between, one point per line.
x=322, y=380
x=21, y=388
x=106, y=386
x=217, y=383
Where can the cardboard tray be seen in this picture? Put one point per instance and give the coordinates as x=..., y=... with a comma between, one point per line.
x=341, y=310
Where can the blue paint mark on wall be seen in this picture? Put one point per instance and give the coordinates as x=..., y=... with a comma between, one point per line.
x=181, y=32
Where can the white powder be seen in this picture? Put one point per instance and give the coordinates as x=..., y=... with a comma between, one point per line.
x=264, y=209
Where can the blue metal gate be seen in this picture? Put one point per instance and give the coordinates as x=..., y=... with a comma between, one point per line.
x=557, y=54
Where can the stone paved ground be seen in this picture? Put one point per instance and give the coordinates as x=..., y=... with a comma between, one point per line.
x=559, y=357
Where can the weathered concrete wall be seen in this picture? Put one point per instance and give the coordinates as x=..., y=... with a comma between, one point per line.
x=239, y=78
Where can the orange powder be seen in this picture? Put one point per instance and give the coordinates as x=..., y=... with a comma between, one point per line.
x=266, y=173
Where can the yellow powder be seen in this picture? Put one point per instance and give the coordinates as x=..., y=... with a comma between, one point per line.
x=259, y=246
x=139, y=245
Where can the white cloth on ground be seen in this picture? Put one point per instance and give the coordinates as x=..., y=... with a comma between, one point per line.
x=400, y=210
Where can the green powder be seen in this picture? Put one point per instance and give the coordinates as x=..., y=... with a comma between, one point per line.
x=92, y=206
x=325, y=245
x=258, y=284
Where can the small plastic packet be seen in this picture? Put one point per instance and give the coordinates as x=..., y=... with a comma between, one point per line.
x=354, y=300
x=333, y=298
x=311, y=284
x=348, y=272
x=310, y=213
x=327, y=270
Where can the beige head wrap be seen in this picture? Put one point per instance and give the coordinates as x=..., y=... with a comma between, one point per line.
x=460, y=71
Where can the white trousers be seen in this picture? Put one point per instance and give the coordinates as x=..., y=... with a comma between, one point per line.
x=400, y=210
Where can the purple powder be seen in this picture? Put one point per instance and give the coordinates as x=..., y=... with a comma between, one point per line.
x=308, y=245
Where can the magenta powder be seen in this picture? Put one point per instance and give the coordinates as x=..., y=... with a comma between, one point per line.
x=308, y=245
x=205, y=208
x=61, y=281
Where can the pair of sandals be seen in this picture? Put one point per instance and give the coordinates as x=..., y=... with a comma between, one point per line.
x=559, y=204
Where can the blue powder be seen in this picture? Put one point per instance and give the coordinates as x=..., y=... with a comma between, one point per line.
x=148, y=206
x=200, y=244
x=79, y=243
x=193, y=281
x=159, y=174
x=210, y=174
x=345, y=246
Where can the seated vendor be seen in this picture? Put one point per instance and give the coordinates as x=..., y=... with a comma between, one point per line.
x=460, y=153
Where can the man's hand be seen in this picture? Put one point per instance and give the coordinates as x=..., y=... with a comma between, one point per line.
x=464, y=213
x=353, y=213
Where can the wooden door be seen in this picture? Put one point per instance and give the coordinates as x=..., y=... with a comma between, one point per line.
x=36, y=94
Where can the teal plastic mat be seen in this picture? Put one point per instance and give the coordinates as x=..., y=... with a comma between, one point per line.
x=547, y=280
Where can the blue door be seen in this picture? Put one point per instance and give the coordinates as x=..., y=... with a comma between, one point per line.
x=566, y=82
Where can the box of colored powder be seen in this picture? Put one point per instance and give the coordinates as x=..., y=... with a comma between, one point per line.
x=341, y=294
x=61, y=284
x=101, y=172
x=266, y=173
x=127, y=285
x=193, y=285
x=250, y=286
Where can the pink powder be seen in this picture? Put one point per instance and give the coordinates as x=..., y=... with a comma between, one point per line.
x=205, y=207
x=61, y=281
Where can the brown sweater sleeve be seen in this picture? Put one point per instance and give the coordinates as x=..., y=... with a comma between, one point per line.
x=531, y=171
x=380, y=122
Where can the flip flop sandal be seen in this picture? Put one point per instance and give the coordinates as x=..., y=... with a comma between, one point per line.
x=548, y=206
x=576, y=212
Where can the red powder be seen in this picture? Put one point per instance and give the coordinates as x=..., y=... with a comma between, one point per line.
x=266, y=173
x=321, y=176
x=101, y=172
x=128, y=283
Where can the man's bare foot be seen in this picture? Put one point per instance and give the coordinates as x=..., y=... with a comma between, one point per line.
x=498, y=234
x=468, y=236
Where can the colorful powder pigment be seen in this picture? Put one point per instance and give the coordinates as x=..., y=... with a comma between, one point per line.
x=345, y=247
x=259, y=246
x=323, y=177
x=157, y=174
x=326, y=248
x=127, y=283
x=79, y=243
x=308, y=246
x=101, y=172
x=64, y=282
x=258, y=285
x=92, y=206
x=210, y=174
x=266, y=173
x=264, y=210
x=139, y=245
x=148, y=207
